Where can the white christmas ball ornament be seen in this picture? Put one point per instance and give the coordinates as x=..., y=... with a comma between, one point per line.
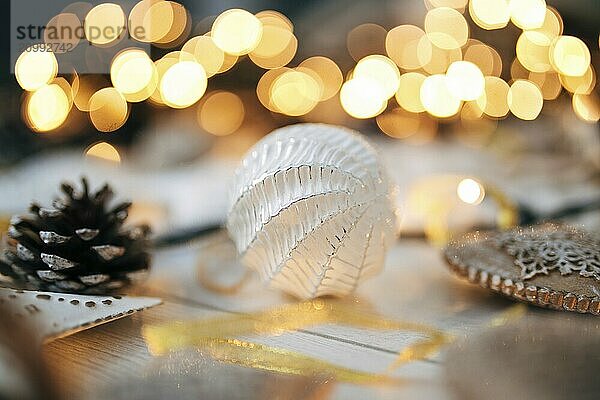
x=311, y=210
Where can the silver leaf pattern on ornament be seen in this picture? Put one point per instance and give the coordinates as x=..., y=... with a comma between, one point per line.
x=539, y=251
x=312, y=210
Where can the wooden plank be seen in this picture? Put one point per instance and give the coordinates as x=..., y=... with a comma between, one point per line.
x=108, y=355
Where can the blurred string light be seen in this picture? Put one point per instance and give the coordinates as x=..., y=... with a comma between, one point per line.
x=421, y=73
x=569, y=56
x=548, y=82
x=527, y=14
x=295, y=92
x=525, y=99
x=408, y=95
x=108, y=109
x=103, y=151
x=203, y=50
x=446, y=28
x=329, y=74
x=237, y=31
x=470, y=191
x=104, y=24
x=485, y=57
x=47, y=108
x=362, y=97
x=221, y=113
x=366, y=39
x=494, y=100
x=465, y=80
x=34, y=69
x=587, y=107
x=583, y=84
x=382, y=71
x=63, y=22
x=134, y=75
x=489, y=14
x=404, y=44
x=277, y=45
x=183, y=84
x=437, y=98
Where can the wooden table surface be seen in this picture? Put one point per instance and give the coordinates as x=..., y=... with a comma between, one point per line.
x=415, y=286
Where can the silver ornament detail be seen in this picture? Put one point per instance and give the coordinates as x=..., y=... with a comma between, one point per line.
x=539, y=250
x=548, y=265
x=311, y=210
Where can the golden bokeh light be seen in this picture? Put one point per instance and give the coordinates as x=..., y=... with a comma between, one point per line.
x=471, y=111
x=295, y=93
x=470, y=191
x=79, y=8
x=134, y=75
x=362, y=97
x=222, y=113
x=275, y=18
x=47, y=108
x=366, y=39
x=525, y=100
x=440, y=59
x=569, y=56
x=105, y=24
x=489, y=14
x=404, y=45
x=548, y=82
x=86, y=85
x=587, y=107
x=551, y=28
x=277, y=47
x=66, y=87
x=518, y=71
x=103, y=151
x=446, y=28
x=150, y=20
x=237, y=32
x=485, y=57
x=532, y=51
x=60, y=32
x=408, y=95
x=437, y=98
x=459, y=5
x=527, y=14
x=583, y=84
x=398, y=123
x=183, y=84
x=205, y=52
x=34, y=69
x=329, y=73
x=381, y=70
x=228, y=62
x=108, y=109
x=179, y=23
x=265, y=83
x=162, y=65
x=465, y=80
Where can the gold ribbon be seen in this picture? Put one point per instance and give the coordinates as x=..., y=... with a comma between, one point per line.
x=216, y=336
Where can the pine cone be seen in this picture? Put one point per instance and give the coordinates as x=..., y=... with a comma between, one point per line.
x=79, y=245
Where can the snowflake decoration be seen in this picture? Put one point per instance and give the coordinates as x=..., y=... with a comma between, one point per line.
x=546, y=248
